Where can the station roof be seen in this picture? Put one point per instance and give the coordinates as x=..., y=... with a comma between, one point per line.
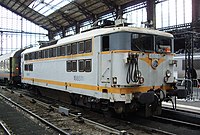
x=57, y=15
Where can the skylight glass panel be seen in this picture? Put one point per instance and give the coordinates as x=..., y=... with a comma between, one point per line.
x=39, y=7
x=46, y=7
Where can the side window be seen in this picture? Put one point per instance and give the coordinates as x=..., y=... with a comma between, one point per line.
x=74, y=66
x=1, y=64
x=26, y=67
x=30, y=56
x=33, y=55
x=105, y=43
x=36, y=55
x=46, y=53
x=58, y=51
x=81, y=47
x=69, y=66
x=62, y=50
x=26, y=56
x=74, y=48
x=5, y=63
x=69, y=49
x=50, y=52
x=88, y=65
x=88, y=46
x=42, y=54
x=81, y=65
x=30, y=67
x=54, y=52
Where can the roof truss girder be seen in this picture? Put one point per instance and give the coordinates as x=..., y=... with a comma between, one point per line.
x=84, y=10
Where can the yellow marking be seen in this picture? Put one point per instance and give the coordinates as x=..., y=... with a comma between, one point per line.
x=119, y=51
x=106, y=52
x=8, y=74
x=99, y=88
x=149, y=60
x=83, y=86
x=124, y=51
x=49, y=82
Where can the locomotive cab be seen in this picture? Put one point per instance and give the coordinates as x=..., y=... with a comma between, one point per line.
x=138, y=68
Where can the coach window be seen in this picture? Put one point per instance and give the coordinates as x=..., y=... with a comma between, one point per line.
x=36, y=55
x=105, y=43
x=50, y=52
x=8, y=65
x=58, y=51
x=88, y=65
x=1, y=64
x=4, y=64
x=88, y=46
x=54, y=52
x=69, y=66
x=62, y=50
x=74, y=66
x=81, y=47
x=42, y=54
x=69, y=49
x=74, y=48
x=81, y=65
x=46, y=53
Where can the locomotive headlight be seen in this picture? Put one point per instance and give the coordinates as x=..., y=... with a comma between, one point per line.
x=114, y=80
x=168, y=73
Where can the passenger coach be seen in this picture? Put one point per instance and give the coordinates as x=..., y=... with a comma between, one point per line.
x=10, y=67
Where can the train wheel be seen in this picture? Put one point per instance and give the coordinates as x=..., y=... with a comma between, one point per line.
x=119, y=107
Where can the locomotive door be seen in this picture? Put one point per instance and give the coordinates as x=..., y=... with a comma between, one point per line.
x=105, y=66
x=105, y=69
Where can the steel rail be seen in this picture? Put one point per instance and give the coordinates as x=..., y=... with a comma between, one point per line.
x=89, y=122
x=177, y=121
x=4, y=128
x=36, y=116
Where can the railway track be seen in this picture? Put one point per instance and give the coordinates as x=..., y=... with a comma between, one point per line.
x=56, y=121
x=98, y=121
x=172, y=122
x=130, y=126
x=177, y=122
x=3, y=129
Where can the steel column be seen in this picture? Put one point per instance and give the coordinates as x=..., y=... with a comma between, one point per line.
x=151, y=12
x=196, y=15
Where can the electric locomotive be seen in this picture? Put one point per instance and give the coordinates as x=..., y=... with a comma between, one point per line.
x=123, y=68
x=126, y=69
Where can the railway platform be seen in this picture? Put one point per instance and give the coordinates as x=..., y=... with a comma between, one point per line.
x=18, y=123
x=191, y=104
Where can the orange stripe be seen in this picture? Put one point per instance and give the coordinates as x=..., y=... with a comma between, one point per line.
x=99, y=88
x=8, y=75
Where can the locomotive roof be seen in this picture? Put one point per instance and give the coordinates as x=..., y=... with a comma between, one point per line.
x=101, y=31
x=8, y=55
